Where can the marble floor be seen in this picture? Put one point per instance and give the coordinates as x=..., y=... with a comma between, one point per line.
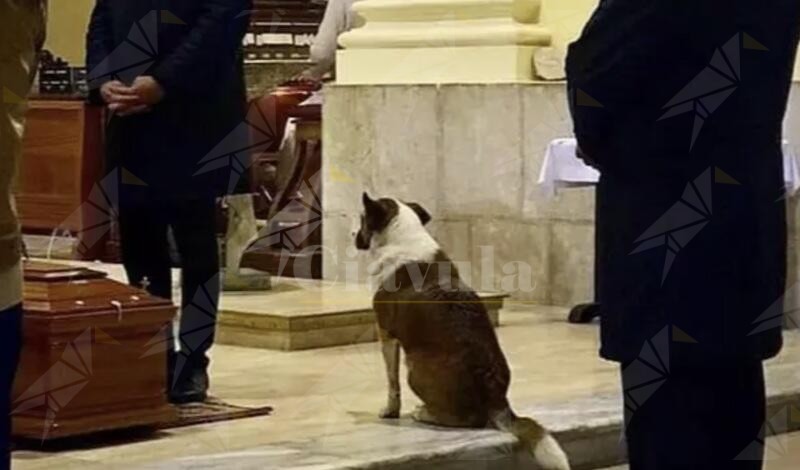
x=331, y=396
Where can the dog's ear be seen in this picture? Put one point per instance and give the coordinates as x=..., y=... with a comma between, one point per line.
x=369, y=203
x=373, y=208
x=423, y=215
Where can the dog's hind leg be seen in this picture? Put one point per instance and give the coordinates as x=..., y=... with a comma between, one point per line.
x=422, y=415
x=391, y=356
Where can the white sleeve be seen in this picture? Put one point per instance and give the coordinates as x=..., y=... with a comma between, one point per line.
x=338, y=19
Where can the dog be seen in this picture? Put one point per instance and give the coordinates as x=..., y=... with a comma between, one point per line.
x=455, y=363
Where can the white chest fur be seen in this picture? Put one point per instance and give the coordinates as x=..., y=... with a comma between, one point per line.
x=405, y=240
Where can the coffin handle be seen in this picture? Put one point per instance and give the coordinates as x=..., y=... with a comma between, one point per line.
x=117, y=305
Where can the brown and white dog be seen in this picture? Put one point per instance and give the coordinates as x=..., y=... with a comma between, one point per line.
x=455, y=364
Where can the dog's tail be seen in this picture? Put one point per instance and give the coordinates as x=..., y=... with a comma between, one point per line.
x=546, y=451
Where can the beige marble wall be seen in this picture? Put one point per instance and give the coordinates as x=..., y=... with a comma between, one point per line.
x=471, y=154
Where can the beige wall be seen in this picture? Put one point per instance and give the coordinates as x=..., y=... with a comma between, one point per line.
x=67, y=28
x=565, y=19
x=68, y=20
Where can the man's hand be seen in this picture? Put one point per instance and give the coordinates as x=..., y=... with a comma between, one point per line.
x=124, y=110
x=121, y=99
x=116, y=92
x=138, y=98
x=307, y=75
x=148, y=90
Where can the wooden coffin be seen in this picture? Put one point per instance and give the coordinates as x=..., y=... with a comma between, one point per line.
x=268, y=117
x=292, y=244
x=93, y=357
x=58, y=188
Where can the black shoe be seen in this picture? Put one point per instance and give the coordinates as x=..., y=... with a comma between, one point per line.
x=187, y=399
x=192, y=387
x=584, y=313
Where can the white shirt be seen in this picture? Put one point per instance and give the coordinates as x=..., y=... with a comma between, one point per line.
x=339, y=18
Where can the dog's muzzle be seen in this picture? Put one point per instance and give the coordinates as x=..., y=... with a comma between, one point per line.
x=362, y=240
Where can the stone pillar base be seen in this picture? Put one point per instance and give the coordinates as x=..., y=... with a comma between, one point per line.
x=441, y=41
x=474, y=64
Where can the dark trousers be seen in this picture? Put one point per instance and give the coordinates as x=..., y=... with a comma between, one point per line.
x=696, y=419
x=144, y=231
x=10, y=347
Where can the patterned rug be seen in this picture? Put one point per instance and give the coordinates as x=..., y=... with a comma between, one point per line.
x=213, y=410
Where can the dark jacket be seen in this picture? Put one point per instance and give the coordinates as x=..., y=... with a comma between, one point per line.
x=681, y=104
x=193, y=49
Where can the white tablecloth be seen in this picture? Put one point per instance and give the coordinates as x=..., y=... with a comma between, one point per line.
x=563, y=169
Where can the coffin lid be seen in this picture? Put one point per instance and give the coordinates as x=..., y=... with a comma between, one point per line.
x=55, y=289
x=36, y=271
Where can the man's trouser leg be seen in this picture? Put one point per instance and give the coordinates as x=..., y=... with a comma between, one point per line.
x=193, y=224
x=10, y=344
x=695, y=418
x=143, y=227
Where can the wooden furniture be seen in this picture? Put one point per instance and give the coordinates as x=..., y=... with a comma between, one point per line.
x=282, y=30
x=61, y=165
x=94, y=355
x=268, y=116
x=292, y=243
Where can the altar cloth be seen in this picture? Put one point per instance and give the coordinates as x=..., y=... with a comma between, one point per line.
x=563, y=169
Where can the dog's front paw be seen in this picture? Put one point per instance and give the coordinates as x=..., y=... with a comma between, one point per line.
x=391, y=411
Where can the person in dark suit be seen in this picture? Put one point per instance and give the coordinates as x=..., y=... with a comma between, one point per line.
x=680, y=104
x=171, y=75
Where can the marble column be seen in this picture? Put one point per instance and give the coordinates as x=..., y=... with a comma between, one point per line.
x=442, y=41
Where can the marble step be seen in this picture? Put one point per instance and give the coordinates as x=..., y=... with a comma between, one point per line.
x=295, y=314
x=589, y=430
x=299, y=314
